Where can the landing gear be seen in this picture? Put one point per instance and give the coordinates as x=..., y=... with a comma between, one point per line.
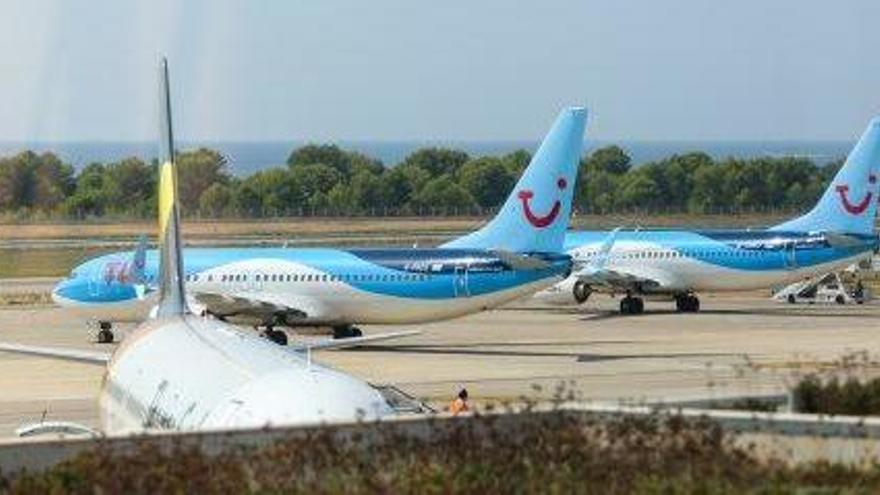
x=346, y=332
x=632, y=305
x=687, y=303
x=105, y=334
x=276, y=336
x=581, y=292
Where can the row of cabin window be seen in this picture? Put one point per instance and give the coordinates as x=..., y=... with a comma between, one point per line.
x=289, y=277
x=676, y=254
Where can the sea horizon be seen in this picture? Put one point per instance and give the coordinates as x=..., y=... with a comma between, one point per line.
x=247, y=157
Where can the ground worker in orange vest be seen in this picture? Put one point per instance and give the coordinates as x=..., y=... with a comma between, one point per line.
x=460, y=404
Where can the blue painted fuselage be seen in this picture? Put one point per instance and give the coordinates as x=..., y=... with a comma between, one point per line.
x=329, y=286
x=679, y=261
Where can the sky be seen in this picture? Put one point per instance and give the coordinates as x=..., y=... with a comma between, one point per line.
x=453, y=70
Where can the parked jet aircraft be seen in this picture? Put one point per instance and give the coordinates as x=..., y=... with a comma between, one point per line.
x=516, y=254
x=836, y=233
x=180, y=371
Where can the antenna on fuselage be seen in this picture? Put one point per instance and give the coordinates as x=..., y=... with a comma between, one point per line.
x=172, y=299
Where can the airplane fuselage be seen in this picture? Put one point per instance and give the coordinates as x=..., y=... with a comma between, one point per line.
x=194, y=373
x=328, y=286
x=721, y=260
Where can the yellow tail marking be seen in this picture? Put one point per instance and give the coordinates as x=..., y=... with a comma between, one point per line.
x=166, y=198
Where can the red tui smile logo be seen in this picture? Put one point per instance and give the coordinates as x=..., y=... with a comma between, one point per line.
x=861, y=206
x=544, y=220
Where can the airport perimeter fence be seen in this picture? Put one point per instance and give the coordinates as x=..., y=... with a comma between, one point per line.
x=768, y=211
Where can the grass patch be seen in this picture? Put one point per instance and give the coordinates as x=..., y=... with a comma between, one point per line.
x=846, y=396
x=26, y=299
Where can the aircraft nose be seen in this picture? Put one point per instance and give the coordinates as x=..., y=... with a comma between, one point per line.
x=62, y=292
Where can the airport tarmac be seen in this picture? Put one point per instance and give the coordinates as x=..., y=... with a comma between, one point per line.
x=740, y=344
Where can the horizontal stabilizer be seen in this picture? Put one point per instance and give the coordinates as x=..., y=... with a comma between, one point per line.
x=67, y=354
x=335, y=344
x=519, y=261
x=843, y=240
x=55, y=428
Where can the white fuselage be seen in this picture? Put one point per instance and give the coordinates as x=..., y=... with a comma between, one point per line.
x=673, y=271
x=327, y=300
x=194, y=373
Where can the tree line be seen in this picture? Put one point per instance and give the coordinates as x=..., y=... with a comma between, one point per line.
x=327, y=180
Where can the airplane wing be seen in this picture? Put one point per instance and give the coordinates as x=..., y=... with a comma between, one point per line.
x=519, y=261
x=258, y=305
x=596, y=275
x=68, y=354
x=335, y=344
x=615, y=280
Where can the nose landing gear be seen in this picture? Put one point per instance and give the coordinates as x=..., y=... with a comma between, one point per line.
x=105, y=332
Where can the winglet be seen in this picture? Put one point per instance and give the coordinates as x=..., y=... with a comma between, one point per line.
x=172, y=300
x=605, y=248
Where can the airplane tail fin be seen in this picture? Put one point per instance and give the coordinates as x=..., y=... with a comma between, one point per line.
x=536, y=214
x=137, y=267
x=172, y=300
x=849, y=205
x=138, y=261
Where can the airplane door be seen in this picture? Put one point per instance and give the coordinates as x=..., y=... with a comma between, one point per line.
x=460, y=282
x=789, y=255
x=255, y=281
x=95, y=283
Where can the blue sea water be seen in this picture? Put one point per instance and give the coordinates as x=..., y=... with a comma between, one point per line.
x=247, y=157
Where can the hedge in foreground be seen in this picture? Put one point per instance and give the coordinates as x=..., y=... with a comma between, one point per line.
x=549, y=453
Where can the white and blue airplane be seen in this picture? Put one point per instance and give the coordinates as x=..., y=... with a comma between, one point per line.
x=180, y=371
x=675, y=264
x=516, y=254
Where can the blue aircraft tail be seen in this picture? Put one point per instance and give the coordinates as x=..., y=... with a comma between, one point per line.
x=849, y=205
x=536, y=214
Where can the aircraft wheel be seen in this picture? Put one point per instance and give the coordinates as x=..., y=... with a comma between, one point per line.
x=581, y=292
x=105, y=336
x=638, y=305
x=687, y=303
x=346, y=332
x=276, y=336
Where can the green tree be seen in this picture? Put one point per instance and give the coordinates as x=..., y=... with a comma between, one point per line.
x=92, y=194
x=18, y=181
x=487, y=180
x=216, y=201
x=516, y=162
x=246, y=200
x=310, y=182
x=196, y=172
x=443, y=194
x=610, y=159
x=53, y=181
x=436, y=161
x=131, y=186
x=347, y=163
x=637, y=190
